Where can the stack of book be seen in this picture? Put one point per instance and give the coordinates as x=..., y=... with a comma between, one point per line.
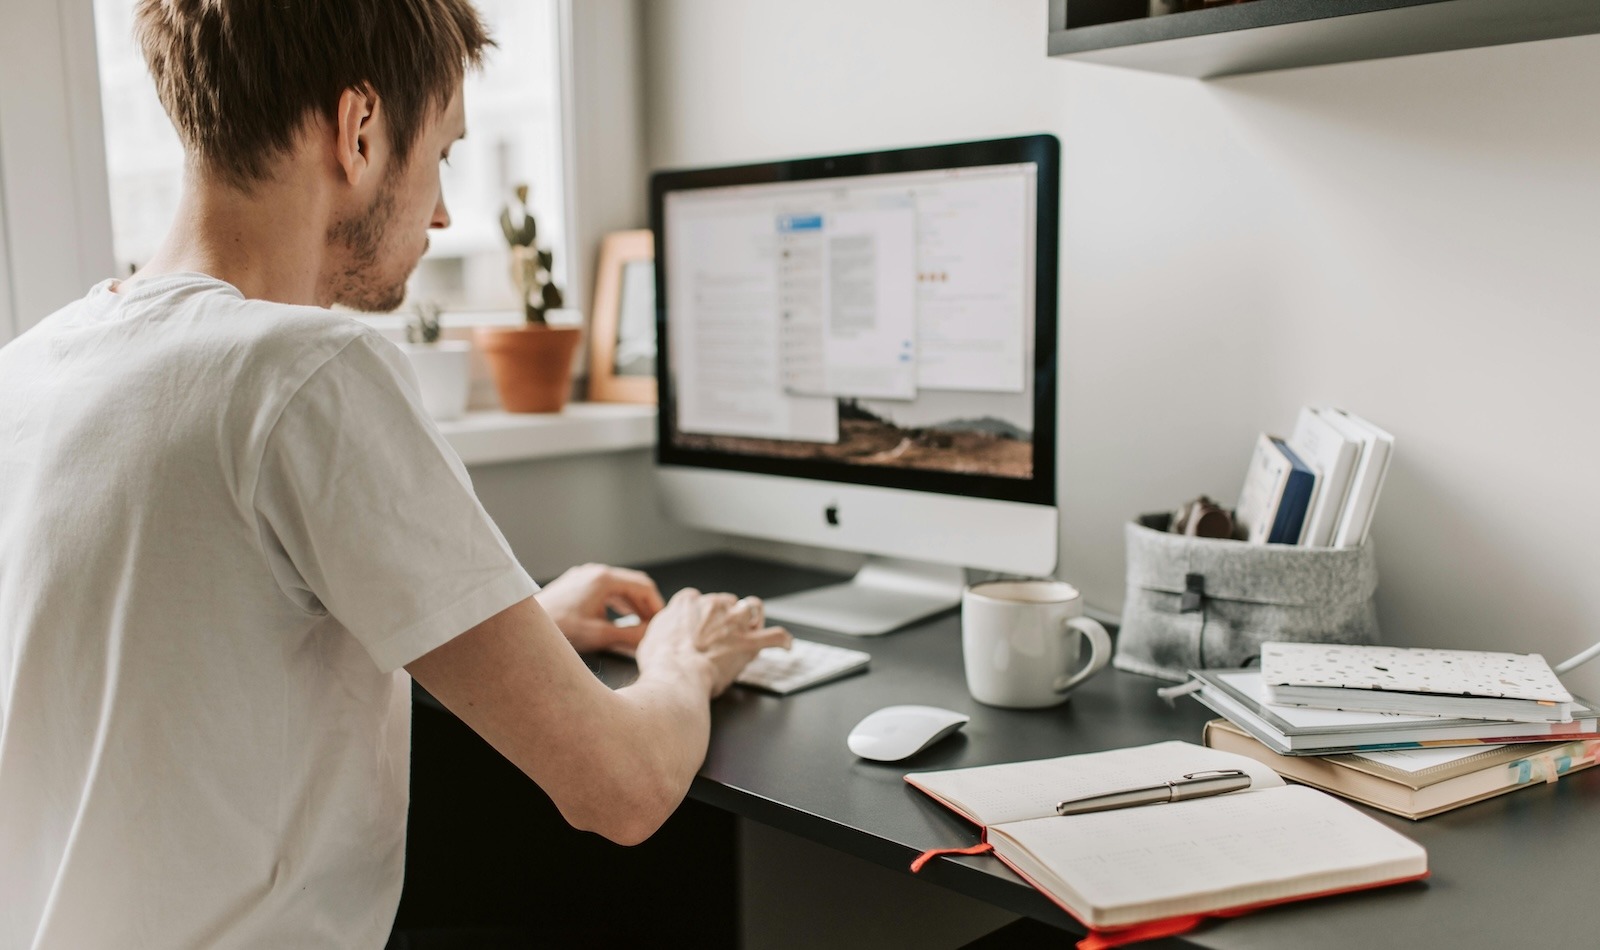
x=1320, y=486
x=1414, y=732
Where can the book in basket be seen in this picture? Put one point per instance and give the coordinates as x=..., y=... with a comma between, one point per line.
x=1417, y=783
x=1153, y=870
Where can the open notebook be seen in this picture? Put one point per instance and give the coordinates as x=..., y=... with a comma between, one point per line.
x=1156, y=870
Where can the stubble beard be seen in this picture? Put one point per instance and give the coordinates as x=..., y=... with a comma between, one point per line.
x=363, y=285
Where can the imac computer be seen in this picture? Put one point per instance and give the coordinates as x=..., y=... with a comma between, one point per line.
x=859, y=352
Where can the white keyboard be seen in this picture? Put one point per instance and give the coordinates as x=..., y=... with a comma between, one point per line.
x=807, y=663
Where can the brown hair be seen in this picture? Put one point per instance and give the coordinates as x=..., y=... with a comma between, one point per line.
x=240, y=77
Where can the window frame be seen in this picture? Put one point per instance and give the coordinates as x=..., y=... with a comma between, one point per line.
x=52, y=162
x=8, y=325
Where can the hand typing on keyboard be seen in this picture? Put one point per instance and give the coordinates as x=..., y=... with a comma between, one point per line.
x=717, y=633
x=579, y=599
x=781, y=670
x=805, y=663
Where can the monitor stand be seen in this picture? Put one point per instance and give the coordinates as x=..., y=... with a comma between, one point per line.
x=886, y=594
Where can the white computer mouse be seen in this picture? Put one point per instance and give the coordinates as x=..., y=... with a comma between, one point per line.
x=895, y=732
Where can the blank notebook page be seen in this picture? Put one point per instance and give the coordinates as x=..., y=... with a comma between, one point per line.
x=1129, y=865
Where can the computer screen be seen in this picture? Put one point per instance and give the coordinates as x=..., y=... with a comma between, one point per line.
x=881, y=319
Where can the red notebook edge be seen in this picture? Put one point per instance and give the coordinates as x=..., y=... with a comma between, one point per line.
x=1106, y=938
x=1112, y=937
x=981, y=847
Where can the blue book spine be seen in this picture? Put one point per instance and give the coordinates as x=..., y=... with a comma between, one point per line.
x=1297, y=492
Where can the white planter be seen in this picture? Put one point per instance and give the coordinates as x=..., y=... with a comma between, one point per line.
x=441, y=370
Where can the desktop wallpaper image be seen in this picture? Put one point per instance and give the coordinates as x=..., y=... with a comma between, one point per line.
x=978, y=446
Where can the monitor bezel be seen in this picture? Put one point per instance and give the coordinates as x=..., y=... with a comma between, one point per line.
x=1044, y=151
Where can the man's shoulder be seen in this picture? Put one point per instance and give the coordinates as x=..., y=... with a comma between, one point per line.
x=293, y=329
x=194, y=324
x=185, y=315
x=293, y=342
x=265, y=351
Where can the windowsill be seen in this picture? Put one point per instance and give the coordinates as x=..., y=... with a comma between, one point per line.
x=582, y=428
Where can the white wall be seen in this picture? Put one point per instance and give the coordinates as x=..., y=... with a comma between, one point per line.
x=564, y=511
x=1414, y=239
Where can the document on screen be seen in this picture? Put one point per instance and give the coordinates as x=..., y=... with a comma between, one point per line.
x=975, y=267
x=723, y=290
x=847, y=301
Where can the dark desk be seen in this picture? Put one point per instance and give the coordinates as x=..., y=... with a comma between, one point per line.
x=1506, y=872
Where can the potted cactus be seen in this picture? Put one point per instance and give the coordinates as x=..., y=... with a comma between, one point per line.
x=531, y=364
x=440, y=365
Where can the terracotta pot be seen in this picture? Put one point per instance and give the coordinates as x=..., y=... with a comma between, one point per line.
x=532, y=365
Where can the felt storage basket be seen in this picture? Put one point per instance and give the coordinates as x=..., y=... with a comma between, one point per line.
x=1203, y=603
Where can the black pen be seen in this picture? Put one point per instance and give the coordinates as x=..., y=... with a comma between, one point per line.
x=1192, y=785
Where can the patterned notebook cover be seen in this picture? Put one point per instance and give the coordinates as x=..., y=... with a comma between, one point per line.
x=1412, y=670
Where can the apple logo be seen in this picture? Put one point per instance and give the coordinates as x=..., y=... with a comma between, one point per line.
x=831, y=513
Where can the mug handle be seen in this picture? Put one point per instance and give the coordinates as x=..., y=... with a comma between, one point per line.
x=1099, y=650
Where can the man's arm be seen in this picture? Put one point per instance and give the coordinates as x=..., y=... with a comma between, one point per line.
x=616, y=762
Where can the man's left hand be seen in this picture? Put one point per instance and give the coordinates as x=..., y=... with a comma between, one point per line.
x=577, y=602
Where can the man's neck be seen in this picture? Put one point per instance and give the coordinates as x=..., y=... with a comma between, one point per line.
x=269, y=243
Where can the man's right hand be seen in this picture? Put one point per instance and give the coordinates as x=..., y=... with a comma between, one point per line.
x=615, y=762
x=715, y=635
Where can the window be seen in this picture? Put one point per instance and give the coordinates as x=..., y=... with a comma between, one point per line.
x=513, y=136
x=144, y=162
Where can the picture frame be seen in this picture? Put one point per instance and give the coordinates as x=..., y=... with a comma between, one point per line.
x=622, y=350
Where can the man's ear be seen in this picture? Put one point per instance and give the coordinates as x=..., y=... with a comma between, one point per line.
x=356, y=124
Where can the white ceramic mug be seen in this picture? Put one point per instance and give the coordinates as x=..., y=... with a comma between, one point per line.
x=1020, y=642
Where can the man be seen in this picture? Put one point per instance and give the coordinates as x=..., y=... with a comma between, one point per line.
x=227, y=528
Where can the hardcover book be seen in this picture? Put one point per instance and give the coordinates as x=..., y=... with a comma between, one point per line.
x=1278, y=490
x=1323, y=447
x=1264, y=482
x=1469, y=684
x=1366, y=482
x=1299, y=493
x=1422, y=782
x=1241, y=696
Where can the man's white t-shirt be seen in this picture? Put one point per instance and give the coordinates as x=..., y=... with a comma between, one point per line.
x=225, y=526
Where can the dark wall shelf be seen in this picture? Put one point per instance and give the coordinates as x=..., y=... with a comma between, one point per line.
x=1265, y=35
